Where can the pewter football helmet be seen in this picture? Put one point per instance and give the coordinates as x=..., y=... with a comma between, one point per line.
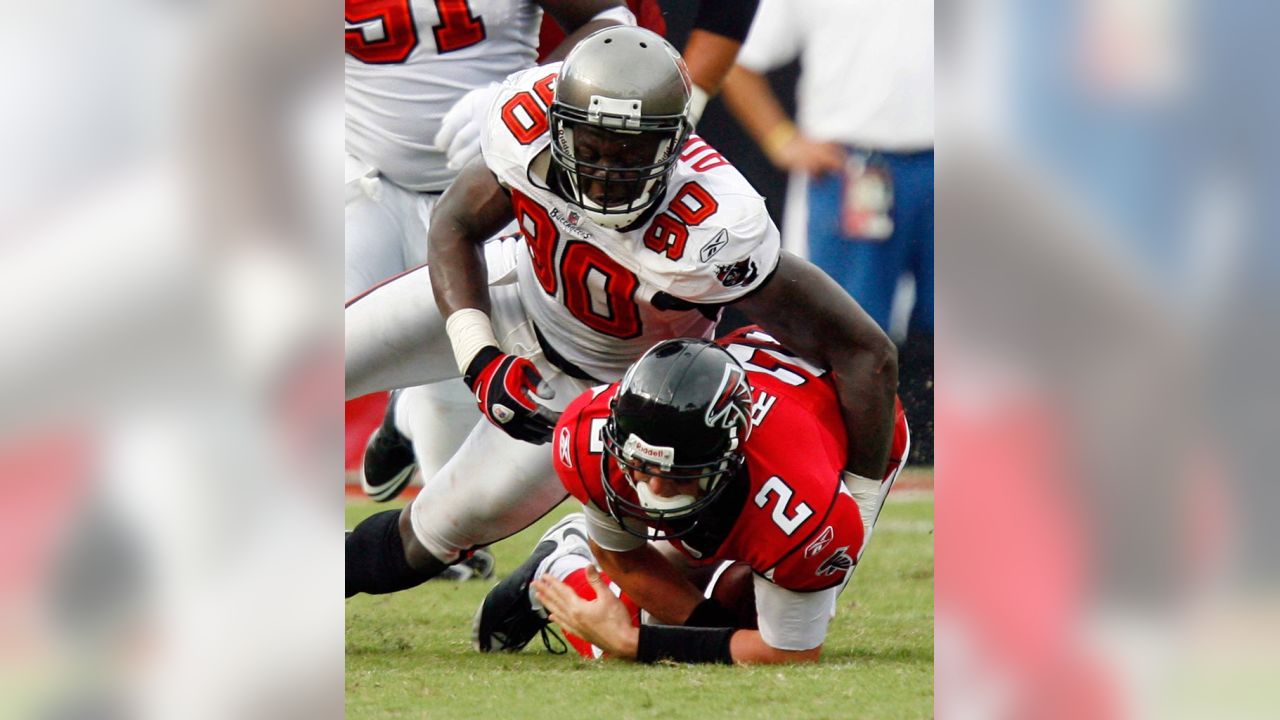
x=630, y=86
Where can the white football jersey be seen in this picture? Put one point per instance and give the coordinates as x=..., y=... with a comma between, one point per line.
x=601, y=297
x=409, y=61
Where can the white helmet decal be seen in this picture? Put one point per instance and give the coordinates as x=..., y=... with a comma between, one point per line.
x=732, y=406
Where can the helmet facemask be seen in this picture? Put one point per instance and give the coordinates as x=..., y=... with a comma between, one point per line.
x=615, y=194
x=634, y=456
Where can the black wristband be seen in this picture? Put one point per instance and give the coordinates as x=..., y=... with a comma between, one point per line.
x=684, y=644
x=479, y=363
x=731, y=19
x=711, y=614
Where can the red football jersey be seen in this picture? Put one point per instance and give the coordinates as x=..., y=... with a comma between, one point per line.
x=797, y=526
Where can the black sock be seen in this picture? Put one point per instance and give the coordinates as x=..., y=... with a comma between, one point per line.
x=375, y=558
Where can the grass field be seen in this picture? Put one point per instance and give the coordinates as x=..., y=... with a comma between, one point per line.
x=409, y=654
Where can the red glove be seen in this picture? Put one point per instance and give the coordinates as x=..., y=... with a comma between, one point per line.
x=505, y=387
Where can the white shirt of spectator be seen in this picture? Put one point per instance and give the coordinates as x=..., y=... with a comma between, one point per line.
x=866, y=67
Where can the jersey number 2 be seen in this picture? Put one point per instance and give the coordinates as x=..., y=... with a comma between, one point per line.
x=383, y=32
x=787, y=524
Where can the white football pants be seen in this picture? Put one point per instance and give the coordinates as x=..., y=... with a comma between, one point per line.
x=494, y=485
x=386, y=234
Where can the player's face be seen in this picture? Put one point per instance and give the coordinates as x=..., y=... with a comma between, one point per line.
x=666, y=485
x=606, y=155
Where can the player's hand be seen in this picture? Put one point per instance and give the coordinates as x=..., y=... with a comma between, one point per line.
x=603, y=622
x=459, y=135
x=506, y=388
x=810, y=156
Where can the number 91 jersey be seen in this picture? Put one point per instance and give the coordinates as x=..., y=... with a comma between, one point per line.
x=599, y=296
x=793, y=522
x=409, y=61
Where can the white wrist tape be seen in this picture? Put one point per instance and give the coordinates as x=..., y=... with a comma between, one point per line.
x=622, y=14
x=469, y=332
x=866, y=492
x=697, y=103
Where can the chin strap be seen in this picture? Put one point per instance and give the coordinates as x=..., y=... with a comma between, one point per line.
x=653, y=501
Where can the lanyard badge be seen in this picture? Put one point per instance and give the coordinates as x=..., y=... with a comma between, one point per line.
x=867, y=198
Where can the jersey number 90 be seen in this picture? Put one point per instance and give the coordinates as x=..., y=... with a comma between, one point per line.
x=596, y=289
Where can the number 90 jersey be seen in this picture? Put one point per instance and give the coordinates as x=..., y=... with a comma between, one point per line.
x=409, y=61
x=602, y=297
x=797, y=526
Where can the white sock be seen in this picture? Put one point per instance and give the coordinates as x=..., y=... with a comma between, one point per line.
x=566, y=565
x=559, y=568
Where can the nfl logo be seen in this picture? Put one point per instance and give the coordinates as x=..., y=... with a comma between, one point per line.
x=573, y=217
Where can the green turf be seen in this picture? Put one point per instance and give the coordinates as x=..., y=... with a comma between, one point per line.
x=409, y=655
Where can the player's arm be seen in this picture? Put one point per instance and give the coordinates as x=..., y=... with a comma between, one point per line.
x=651, y=581
x=810, y=314
x=580, y=18
x=776, y=39
x=752, y=101
x=605, y=623
x=718, y=31
x=470, y=211
x=748, y=648
x=793, y=624
x=506, y=387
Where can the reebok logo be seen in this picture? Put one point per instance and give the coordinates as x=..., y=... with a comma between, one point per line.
x=712, y=247
x=821, y=543
x=565, y=447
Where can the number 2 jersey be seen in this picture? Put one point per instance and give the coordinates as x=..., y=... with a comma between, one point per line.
x=601, y=297
x=790, y=517
x=409, y=61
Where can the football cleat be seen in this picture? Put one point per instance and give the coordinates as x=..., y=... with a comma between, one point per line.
x=388, y=459
x=477, y=567
x=506, y=619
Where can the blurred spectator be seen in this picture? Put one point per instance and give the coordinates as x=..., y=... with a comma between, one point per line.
x=864, y=146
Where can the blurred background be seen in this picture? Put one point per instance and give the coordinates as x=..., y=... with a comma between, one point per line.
x=170, y=383
x=1106, y=315
x=170, y=360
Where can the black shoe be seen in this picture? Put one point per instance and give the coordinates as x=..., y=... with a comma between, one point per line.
x=388, y=459
x=477, y=567
x=506, y=619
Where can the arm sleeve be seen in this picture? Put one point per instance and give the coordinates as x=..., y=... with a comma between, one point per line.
x=793, y=620
x=730, y=18
x=606, y=532
x=774, y=39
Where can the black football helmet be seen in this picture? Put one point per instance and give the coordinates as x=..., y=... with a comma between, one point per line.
x=629, y=84
x=682, y=412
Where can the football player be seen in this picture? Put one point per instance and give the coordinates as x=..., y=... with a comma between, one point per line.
x=632, y=231
x=728, y=452
x=407, y=64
